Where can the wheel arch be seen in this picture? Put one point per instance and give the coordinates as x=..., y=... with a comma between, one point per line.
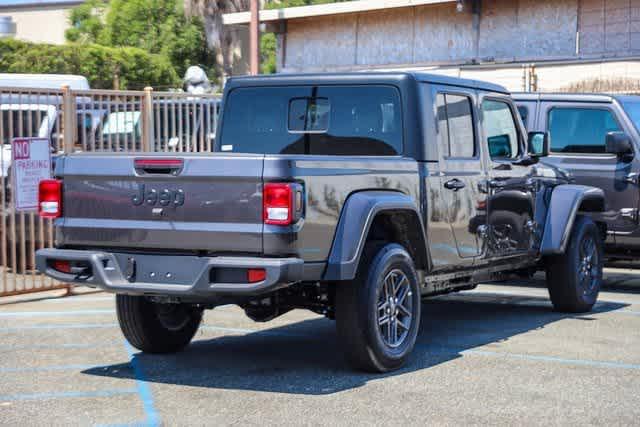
x=566, y=202
x=387, y=215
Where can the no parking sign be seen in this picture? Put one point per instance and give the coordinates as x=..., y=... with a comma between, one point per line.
x=31, y=163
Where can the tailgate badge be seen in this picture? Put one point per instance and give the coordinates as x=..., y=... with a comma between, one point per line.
x=154, y=197
x=130, y=270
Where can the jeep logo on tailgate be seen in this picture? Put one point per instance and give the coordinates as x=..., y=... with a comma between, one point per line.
x=153, y=197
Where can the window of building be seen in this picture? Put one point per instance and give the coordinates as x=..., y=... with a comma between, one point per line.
x=580, y=130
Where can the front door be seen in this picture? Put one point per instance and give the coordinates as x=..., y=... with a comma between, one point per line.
x=510, y=187
x=578, y=132
x=461, y=171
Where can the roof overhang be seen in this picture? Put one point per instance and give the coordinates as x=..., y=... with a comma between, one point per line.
x=44, y=4
x=273, y=15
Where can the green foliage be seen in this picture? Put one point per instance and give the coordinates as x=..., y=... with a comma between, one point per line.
x=135, y=67
x=86, y=22
x=268, y=53
x=156, y=26
x=268, y=40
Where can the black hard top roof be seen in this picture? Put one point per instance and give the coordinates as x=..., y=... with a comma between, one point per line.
x=577, y=97
x=361, y=77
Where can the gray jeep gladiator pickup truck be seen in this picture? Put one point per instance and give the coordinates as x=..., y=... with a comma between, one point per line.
x=351, y=195
x=596, y=138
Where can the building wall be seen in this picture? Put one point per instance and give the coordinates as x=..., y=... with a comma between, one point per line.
x=508, y=31
x=609, y=26
x=43, y=24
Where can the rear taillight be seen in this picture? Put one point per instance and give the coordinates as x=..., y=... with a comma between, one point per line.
x=50, y=198
x=255, y=275
x=282, y=203
x=62, y=266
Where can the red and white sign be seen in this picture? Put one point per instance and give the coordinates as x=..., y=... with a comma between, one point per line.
x=31, y=163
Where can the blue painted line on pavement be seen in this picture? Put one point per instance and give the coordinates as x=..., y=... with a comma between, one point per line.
x=133, y=424
x=54, y=313
x=54, y=346
x=48, y=368
x=583, y=362
x=79, y=299
x=153, y=418
x=60, y=326
x=66, y=394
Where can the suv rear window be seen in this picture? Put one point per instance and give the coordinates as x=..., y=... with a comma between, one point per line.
x=323, y=120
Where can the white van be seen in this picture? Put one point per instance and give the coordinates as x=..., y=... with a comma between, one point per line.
x=43, y=81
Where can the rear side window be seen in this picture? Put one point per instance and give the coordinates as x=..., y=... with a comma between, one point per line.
x=580, y=130
x=500, y=130
x=323, y=120
x=455, y=126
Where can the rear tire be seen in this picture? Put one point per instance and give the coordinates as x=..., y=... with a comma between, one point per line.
x=378, y=313
x=156, y=328
x=575, y=277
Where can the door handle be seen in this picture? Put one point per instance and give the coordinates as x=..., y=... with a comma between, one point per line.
x=455, y=185
x=497, y=183
x=632, y=178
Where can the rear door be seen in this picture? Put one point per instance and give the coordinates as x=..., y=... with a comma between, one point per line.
x=461, y=168
x=578, y=133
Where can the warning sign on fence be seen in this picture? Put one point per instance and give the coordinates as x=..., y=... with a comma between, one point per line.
x=31, y=163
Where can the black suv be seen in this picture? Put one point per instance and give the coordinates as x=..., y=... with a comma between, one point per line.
x=596, y=139
x=352, y=195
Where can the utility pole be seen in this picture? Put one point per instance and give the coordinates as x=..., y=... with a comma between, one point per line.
x=254, y=37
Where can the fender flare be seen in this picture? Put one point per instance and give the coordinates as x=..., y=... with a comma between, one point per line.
x=358, y=213
x=562, y=211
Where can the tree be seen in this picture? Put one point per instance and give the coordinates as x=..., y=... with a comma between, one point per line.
x=156, y=26
x=87, y=22
x=136, y=68
x=224, y=41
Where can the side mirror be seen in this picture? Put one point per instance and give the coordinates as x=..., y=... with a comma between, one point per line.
x=538, y=144
x=619, y=143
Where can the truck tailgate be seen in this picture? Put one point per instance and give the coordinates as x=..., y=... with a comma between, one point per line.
x=184, y=202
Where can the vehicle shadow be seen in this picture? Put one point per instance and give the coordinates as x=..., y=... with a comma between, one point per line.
x=304, y=358
x=622, y=278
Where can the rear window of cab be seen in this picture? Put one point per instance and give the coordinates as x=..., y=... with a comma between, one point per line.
x=322, y=120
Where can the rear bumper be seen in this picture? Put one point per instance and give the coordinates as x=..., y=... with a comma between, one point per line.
x=169, y=275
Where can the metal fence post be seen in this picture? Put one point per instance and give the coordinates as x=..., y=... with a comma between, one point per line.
x=68, y=119
x=147, y=119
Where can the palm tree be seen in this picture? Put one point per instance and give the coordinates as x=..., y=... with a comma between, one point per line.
x=223, y=41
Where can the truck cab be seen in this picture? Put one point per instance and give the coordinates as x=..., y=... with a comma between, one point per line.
x=596, y=139
x=353, y=195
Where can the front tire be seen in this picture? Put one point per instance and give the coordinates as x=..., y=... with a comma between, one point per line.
x=156, y=328
x=378, y=313
x=575, y=277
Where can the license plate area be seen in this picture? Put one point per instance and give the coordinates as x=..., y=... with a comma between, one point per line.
x=160, y=269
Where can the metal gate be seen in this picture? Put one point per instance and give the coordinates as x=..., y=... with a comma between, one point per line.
x=86, y=120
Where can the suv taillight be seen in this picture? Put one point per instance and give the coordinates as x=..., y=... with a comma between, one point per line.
x=282, y=203
x=50, y=198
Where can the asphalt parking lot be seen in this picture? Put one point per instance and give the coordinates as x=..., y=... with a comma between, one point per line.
x=496, y=355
